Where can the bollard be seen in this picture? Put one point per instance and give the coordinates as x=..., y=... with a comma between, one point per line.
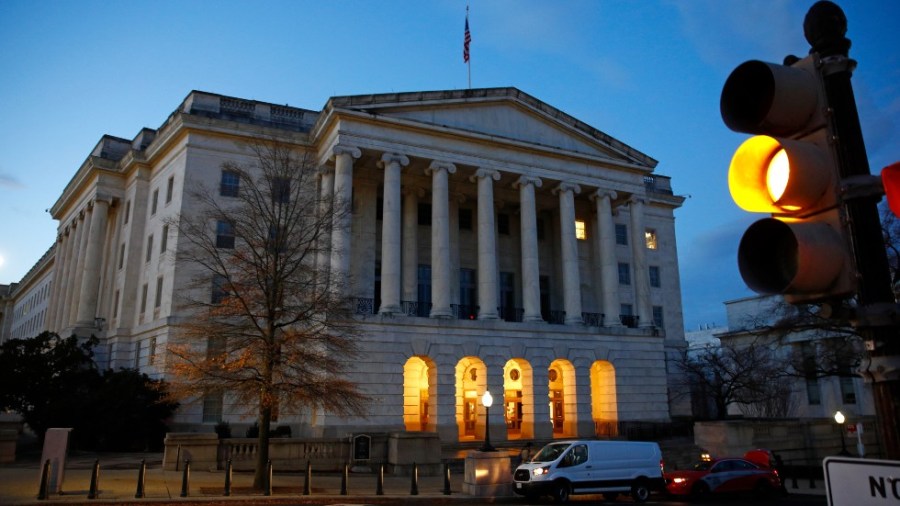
x=95, y=480
x=227, y=477
x=344, y=478
x=379, y=485
x=446, y=479
x=186, y=479
x=45, y=481
x=142, y=475
x=268, y=490
x=414, y=486
x=306, y=482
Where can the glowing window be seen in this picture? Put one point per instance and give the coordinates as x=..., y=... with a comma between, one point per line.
x=580, y=232
x=650, y=238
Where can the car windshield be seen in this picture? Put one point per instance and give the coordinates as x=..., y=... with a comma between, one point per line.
x=703, y=465
x=550, y=452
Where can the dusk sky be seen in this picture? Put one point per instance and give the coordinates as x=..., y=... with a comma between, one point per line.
x=648, y=73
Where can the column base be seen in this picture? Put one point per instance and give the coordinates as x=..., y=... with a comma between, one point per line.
x=488, y=316
x=441, y=313
x=574, y=321
x=390, y=310
x=534, y=318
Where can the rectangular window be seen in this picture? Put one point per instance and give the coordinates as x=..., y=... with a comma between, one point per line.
x=127, y=210
x=121, y=255
x=225, y=234
x=654, y=276
x=580, y=232
x=159, y=287
x=468, y=286
x=544, y=283
x=212, y=407
x=219, y=289
x=658, y=316
x=650, y=238
x=503, y=224
x=230, y=184
x=424, y=212
x=624, y=273
x=424, y=290
x=116, y=305
x=848, y=390
x=621, y=234
x=149, y=248
x=508, y=296
x=170, y=186
x=281, y=190
x=465, y=219
x=154, y=202
x=151, y=351
x=164, y=239
x=626, y=315
x=144, y=298
x=813, y=392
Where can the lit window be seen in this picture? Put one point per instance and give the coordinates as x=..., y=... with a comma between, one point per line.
x=580, y=232
x=650, y=237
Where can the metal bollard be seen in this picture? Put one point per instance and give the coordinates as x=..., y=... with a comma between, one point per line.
x=306, y=482
x=227, y=477
x=379, y=486
x=344, y=478
x=414, y=486
x=95, y=480
x=45, y=481
x=142, y=475
x=446, y=479
x=186, y=479
x=268, y=490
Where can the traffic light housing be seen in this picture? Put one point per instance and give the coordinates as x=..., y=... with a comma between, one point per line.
x=789, y=170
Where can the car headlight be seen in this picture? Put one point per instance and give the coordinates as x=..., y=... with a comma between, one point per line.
x=541, y=470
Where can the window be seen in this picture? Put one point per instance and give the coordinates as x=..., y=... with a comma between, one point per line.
x=658, y=316
x=424, y=290
x=580, y=232
x=277, y=238
x=116, y=305
x=508, y=296
x=424, y=215
x=144, y=298
x=151, y=351
x=154, y=201
x=169, y=187
x=212, y=407
x=225, y=234
x=121, y=255
x=465, y=219
x=654, y=276
x=621, y=234
x=650, y=238
x=159, y=287
x=813, y=393
x=624, y=273
x=230, y=184
x=149, y=248
x=503, y=224
x=468, y=286
x=164, y=239
x=281, y=190
x=848, y=390
x=127, y=210
x=219, y=289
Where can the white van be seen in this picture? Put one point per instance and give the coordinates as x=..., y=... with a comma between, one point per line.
x=564, y=468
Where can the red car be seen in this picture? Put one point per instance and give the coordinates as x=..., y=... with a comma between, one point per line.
x=724, y=476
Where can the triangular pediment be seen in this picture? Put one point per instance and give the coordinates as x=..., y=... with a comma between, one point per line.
x=500, y=113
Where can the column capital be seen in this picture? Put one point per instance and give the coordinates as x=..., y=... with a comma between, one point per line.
x=484, y=172
x=637, y=199
x=388, y=158
x=527, y=180
x=567, y=187
x=603, y=193
x=343, y=149
x=437, y=165
x=418, y=191
x=458, y=197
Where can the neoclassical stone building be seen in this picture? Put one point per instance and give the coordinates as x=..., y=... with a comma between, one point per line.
x=496, y=243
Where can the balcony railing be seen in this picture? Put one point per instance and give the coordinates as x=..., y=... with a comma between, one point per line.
x=464, y=311
x=592, y=319
x=630, y=321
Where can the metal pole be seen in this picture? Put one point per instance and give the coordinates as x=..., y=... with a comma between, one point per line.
x=345, y=477
x=379, y=486
x=43, y=488
x=186, y=479
x=414, y=486
x=308, y=479
x=142, y=475
x=446, y=479
x=95, y=480
x=268, y=490
x=228, y=473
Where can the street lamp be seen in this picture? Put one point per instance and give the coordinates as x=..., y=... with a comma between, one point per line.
x=839, y=418
x=486, y=401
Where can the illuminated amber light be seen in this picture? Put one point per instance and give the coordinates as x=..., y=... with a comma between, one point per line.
x=778, y=174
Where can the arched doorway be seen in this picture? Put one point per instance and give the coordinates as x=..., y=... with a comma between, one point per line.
x=604, y=405
x=419, y=387
x=471, y=379
x=518, y=399
x=561, y=385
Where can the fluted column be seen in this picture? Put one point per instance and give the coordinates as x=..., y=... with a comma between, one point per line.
x=78, y=268
x=343, y=202
x=638, y=252
x=531, y=275
x=487, y=245
x=90, y=282
x=411, y=243
x=62, y=313
x=326, y=197
x=59, y=259
x=609, y=266
x=569, y=244
x=391, y=227
x=440, y=238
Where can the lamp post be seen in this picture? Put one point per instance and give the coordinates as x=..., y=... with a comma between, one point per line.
x=486, y=401
x=839, y=418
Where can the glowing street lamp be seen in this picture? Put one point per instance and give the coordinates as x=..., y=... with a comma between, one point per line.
x=839, y=418
x=486, y=401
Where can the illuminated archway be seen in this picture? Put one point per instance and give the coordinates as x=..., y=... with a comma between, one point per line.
x=471, y=381
x=604, y=406
x=518, y=389
x=563, y=399
x=419, y=388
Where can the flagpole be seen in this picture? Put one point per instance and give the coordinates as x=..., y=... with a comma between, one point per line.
x=468, y=56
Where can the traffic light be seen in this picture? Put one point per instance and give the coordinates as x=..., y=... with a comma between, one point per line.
x=789, y=170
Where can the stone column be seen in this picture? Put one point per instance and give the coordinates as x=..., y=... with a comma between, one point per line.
x=440, y=238
x=326, y=197
x=54, y=291
x=78, y=267
x=641, y=273
x=90, y=282
x=411, y=244
x=542, y=425
x=531, y=276
x=343, y=205
x=569, y=246
x=391, y=227
x=609, y=266
x=65, y=273
x=487, y=245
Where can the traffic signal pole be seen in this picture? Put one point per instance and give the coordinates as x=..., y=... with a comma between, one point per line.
x=877, y=320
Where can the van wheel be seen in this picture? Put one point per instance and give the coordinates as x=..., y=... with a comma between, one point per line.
x=640, y=492
x=561, y=492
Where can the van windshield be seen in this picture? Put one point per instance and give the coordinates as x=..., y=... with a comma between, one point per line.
x=550, y=452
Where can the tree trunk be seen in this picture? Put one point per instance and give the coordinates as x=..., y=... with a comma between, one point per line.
x=262, y=441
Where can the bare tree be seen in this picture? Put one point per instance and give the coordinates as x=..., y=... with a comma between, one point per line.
x=269, y=326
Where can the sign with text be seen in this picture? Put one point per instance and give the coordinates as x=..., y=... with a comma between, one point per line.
x=861, y=482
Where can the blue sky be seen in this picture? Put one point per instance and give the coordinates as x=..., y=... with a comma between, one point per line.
x=649, y=73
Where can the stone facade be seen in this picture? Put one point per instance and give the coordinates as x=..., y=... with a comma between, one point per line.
x=495, y=243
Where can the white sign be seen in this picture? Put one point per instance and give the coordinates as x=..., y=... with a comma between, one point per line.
x=862, y=482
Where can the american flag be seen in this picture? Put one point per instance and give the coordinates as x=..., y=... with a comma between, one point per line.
x=466, y=40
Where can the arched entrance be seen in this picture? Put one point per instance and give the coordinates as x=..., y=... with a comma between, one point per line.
x=518, y=396
x=561, y=384
x=419, y=387
x=604, y=406
x=471, y=379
